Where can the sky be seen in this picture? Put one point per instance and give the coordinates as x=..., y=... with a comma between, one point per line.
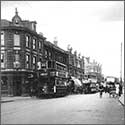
x=93, y=28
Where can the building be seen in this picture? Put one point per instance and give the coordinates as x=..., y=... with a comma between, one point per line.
x=76, y=64
x=21, y=49
x=93, y=68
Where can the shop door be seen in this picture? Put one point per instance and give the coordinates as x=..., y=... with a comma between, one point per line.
x=17, y=88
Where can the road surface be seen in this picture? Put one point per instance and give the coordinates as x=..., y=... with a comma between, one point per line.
x=72, y=109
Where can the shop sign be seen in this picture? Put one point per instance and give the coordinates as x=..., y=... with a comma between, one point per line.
x=52, y=73
x=61, y=74
x=43, y=74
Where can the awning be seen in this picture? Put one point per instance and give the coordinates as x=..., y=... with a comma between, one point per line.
x=77, y=82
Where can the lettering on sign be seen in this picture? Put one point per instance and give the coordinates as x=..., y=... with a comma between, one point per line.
x=61, y=74
x=43, y=74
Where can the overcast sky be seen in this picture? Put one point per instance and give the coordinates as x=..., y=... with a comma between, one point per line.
x=93, y=28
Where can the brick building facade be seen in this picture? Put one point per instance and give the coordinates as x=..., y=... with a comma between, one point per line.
x=21, y=49
x=75, y=65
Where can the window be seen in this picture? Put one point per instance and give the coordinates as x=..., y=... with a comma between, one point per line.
x=27, y=60
x=33, y=26
x=50, y=55
x=27, y=41
x=17, y=57
x=17, y=60
x=34, y=62
x=34, y=43
x=40, y=45
x=2, y=38
x=46, y=55
x=2, y=60
x=16, y=40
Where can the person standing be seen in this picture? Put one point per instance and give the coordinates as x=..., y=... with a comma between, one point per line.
x=120, y=90
x=100, y=90
x=117, y=90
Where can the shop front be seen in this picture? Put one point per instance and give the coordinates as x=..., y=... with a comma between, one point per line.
x=15, y=83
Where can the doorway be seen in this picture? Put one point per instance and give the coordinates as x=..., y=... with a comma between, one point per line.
x=17, y=87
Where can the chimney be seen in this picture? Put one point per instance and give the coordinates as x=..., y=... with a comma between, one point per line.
x=55, y=41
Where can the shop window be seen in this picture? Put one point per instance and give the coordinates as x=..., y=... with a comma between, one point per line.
x=2, y=38
x=16, y=40
x=4, y=85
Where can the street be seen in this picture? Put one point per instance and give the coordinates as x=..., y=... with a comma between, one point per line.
x=72, y=109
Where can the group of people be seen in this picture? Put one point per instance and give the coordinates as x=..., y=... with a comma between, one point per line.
x=114, y=90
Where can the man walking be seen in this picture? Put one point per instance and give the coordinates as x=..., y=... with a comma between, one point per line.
x=100, y=90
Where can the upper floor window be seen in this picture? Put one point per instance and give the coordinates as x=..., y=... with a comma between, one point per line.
x=46, y=54
x=17, y=57
x=2, y=60
x=34, y=62
x=16, y=40
x=27, y=61
x=50, y=55
x=34, y=43
x=33, y=26
x=2, y=38
x=27, y=41
x=40, y=45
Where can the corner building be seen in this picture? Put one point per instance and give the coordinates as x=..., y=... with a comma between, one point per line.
x=21, y=49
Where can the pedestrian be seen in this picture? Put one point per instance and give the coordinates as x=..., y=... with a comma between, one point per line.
x=31, y=92
x=120, y=90
x=100, y=90
x=117, y=90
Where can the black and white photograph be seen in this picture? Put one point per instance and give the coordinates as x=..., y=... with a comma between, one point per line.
x=62, y=62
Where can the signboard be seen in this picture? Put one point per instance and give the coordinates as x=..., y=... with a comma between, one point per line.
x=43, y=74
x=43, y=65
x=61, y=74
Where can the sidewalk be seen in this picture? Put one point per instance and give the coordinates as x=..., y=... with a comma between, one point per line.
x=12, y=99
x=121, y=99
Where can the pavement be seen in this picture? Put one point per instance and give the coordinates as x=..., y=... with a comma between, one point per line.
x=14, y=98
x=121, y=99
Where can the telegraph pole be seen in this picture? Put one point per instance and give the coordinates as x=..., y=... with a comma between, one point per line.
x=121, y=66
